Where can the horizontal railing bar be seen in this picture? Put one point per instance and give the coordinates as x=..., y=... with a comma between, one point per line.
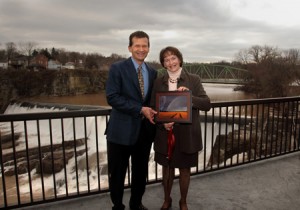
x=254, y=101
x=53, y=115
x=235, y=133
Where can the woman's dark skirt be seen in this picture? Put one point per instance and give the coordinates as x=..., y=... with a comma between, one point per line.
x=178, y=160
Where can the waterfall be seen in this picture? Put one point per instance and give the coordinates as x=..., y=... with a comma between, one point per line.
x=93, y=151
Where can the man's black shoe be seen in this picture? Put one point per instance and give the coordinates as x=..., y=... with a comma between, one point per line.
x=140, y=207
x=120, y=207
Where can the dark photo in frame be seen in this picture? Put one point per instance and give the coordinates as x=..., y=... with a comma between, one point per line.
x=174, y=106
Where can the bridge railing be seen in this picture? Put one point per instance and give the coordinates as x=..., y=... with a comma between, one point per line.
x=50, y=156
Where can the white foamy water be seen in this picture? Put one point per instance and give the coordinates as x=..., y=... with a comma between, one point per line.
x=61, y=131
x=69, y=175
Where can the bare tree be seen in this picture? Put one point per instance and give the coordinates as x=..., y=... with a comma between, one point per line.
x=263, y=53
x=27, y=48
x=256, y=51
x=243, y=56
x=11, y=50
x=272, y=70
x=62, y=56
x=3, y=56
x=292, y=55
x=269, y=52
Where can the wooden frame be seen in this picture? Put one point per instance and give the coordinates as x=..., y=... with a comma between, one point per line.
x=174, y=106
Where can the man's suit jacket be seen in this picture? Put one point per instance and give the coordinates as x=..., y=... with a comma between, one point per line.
x=124, y=95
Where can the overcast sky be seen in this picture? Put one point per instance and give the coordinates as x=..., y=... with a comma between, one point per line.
x=204, y=30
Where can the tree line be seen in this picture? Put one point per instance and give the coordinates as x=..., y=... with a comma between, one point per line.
x=88, y=61
x=272, y=70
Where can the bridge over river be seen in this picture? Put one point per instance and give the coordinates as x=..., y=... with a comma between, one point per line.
x=214, y=73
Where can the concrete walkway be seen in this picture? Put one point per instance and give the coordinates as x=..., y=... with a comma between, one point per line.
x=272, y=184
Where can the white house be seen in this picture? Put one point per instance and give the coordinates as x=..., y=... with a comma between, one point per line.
x=69, y=65
x=3, y=65
x=55, y=65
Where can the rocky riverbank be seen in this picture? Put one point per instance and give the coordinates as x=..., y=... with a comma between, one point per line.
x=16, y=84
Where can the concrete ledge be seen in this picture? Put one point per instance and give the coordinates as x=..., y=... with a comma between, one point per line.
x=272, y=184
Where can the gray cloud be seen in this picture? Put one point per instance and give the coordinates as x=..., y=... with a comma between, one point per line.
x=205, y=31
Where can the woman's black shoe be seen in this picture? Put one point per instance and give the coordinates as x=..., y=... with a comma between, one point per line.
x=169, y=205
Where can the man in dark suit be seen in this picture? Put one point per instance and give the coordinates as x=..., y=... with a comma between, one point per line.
x=130, y=131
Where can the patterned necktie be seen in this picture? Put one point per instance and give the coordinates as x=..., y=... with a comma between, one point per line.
x=141, y=79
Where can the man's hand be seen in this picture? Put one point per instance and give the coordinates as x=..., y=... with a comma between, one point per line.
x=149, y=113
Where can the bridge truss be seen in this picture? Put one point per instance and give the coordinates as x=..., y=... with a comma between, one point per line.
x=212, y=73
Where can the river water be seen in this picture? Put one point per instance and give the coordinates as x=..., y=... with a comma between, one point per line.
x=216, y=92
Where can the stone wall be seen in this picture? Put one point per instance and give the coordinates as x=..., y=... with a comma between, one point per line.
x=15, y=84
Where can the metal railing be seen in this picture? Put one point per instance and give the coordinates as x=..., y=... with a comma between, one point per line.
x=50, y=156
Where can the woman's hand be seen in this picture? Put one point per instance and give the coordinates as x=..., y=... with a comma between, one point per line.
x=168, y=126
x=182, y=88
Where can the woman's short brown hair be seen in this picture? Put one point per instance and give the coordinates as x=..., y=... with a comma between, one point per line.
x=170, y=51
